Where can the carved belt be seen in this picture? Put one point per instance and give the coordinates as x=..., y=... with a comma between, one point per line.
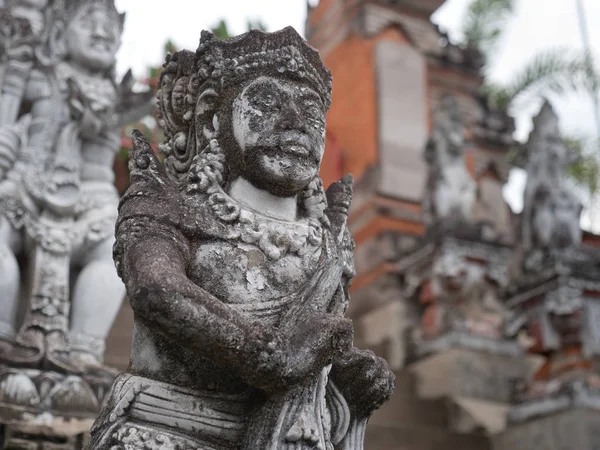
x=203, y=416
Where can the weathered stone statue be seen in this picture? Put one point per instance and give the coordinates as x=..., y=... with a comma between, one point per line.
x=60, y=115
x=237, y=264
x=450, y=192
x=551, y=210
x=553, y=300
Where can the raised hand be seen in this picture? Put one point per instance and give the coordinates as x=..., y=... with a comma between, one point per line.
x=132, y=105
x=365, y=380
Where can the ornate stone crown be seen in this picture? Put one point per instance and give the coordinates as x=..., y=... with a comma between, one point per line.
x=218, y=67
x=68, y=8
x=258, y=53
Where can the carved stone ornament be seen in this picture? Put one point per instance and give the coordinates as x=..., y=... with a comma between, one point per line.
x=237, y=264
x=551, y=210
x=457, y=286
x=60, y=114
x=450, y=191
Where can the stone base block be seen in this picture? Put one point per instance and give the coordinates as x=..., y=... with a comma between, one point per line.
x=469, y=373
x=478, y=386
x=575, y=429
x=15, y=439
x=48, y=410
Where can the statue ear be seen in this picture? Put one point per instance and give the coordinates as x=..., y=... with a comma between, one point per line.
x=57, y=42
x=206, y=115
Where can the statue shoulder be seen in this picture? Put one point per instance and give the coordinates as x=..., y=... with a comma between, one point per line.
x=339, y=199
x=151, y=208
x=39, y=85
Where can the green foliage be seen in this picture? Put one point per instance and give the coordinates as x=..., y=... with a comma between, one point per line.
x=484, y=22
x=586, y=170
x=221, y=30
x=552, y=71
x=256, y=24
x=170, y=47
x=123, y=154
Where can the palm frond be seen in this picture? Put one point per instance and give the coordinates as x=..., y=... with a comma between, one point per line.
x=484, y=22
x=552, y=71
x=586, y=170
x=256, y=25
x=221, y=30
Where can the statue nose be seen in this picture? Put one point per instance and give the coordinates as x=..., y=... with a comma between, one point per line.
x=291, y=117
x=99, y=31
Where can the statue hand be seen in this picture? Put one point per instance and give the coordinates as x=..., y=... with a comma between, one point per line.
x=297, y=354
x=10, y=143
x=365, y=380
x=132, y=105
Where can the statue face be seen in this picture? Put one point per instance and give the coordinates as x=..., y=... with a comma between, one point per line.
x=280, y=129
x=93, y=37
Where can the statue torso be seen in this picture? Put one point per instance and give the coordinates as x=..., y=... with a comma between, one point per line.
x=255, y=278
x=54, y=142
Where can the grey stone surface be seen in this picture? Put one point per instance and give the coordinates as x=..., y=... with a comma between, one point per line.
x=455, y=280
x=575, y=429
x=450, y=190
x=237, y=263
x=551, y=210
x=402, y=118
x=60, y=114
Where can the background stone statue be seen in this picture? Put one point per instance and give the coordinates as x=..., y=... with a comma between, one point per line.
x=551, y=210
x=237, y=263
x=450, y=191
x=60, y=115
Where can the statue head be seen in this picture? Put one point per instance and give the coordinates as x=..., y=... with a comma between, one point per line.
x=546, y=147
x=260, y=98
x=87, y=32
x=448, y=132
x=451, y=122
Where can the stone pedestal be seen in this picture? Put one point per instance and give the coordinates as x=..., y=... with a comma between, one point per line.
x=575, y=428
x=459, y=352
x=477, y=383
x=48, y=410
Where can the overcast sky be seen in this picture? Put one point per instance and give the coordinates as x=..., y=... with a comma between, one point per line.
x=537, y=25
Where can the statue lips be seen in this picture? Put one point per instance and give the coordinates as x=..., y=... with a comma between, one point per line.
x=293, y=144
x=100, y=44
x=296, y=150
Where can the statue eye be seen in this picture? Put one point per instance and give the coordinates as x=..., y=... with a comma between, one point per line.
x=269, y=100
x=312, y=109
x=265, y=102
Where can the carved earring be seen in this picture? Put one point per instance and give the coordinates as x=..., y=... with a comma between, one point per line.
x=213, y=133
x=57, y=45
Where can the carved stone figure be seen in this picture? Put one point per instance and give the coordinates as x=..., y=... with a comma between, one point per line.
x=60, y=115
x=490, y=209
x=551, y=211
x=450, y=189
x=237, y=264
x=456, y=283
x=553, y=294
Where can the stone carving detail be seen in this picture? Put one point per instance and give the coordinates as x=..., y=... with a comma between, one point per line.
x=553, y=293
x=551, y=211
x=60, y=114
x=450, y=189
x=237, y=263
x=457, y=286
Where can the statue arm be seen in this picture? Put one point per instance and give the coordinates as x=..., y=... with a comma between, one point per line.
x=151, y=254
x=364, y=379
x=165, y=298
x=154, y=271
